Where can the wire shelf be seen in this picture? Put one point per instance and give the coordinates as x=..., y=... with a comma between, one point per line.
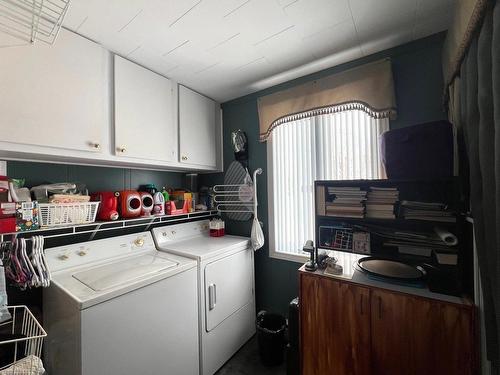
x=33, y=20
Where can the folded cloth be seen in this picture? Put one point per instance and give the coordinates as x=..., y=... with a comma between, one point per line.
x=69, y=198
x=30, y=365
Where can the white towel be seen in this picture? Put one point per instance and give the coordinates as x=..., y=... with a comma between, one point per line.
x=30, y=365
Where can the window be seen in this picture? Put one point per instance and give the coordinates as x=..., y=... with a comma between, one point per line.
x=336, y=146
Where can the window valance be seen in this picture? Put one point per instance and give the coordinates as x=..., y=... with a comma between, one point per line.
x=369, y=88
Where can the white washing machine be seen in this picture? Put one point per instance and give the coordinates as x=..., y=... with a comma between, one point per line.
x=226, y=287
x=120, y=307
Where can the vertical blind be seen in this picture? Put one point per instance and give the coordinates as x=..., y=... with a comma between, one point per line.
x=337, y=146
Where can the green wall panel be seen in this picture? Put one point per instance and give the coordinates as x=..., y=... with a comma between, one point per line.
x=419, y=86
x=96, y=178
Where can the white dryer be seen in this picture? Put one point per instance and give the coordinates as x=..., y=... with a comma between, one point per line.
x=120, y=307
x=226, y=287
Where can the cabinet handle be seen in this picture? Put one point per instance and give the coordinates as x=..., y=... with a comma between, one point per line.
x=122, y=149
x=184, y=158
x=97, y=146
x=380, y=307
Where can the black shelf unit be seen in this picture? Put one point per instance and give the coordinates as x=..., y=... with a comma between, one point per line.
x=443, y=190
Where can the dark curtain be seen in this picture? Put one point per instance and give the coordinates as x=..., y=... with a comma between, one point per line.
x=478, y=123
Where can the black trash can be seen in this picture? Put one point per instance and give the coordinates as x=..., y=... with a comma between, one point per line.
x=271, y=337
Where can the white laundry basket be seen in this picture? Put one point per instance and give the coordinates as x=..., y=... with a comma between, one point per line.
x=57, y=214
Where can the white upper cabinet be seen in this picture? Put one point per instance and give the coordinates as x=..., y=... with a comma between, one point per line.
x=199, y=129
x=54, y=96
x=145, y=116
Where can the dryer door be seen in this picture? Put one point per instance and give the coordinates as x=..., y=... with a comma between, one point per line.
x=228, y=287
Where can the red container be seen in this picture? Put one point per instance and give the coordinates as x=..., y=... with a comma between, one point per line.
x=130, y=204
x=171, y=207
x=217, y=232
x=8, y=225
x=108, y=209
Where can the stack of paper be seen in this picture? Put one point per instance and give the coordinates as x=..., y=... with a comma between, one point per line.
x=346, y=202
x=380, y=202
x=429, y=211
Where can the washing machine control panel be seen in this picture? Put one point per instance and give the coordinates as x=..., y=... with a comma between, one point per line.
x=63, y=257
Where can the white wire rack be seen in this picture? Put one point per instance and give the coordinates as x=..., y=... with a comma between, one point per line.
x=33, y=20
x=238, y=198
x=25, y=348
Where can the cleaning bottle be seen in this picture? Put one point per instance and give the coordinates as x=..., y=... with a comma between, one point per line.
x=165, y=194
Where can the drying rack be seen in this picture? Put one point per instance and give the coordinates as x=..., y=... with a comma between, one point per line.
x=238, y=198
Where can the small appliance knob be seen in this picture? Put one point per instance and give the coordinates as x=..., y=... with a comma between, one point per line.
x=63, y=257
x=139, y=242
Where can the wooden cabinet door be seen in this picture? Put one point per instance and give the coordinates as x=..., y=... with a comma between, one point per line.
x=416, y=336
x=197, y=129
x=335, y=327
x=145, y=125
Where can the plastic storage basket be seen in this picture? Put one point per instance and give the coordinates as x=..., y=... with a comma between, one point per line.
x=22, y=347
x=52, y=214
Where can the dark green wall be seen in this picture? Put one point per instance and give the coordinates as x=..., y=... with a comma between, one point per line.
x=96, y=178
x=418, y=84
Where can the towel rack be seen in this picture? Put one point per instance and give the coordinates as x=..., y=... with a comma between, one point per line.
x=236, y=198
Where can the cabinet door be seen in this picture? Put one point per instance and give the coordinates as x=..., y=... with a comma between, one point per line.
x=335, y=327
x=417, y=336
x=54, y=96
x=198, y=129
x=145, y=125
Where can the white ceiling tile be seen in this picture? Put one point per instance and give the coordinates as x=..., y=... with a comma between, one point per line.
x=284, y=3
x=314, y=66
x=376, y=33
x=430, y=7
x=432, y=24
x=100, y=19
x=312, y=16
x=228, y=48
x=432, y=17
x=363, y=10
x=259, y=20
x=332, y=39
x=385, y=42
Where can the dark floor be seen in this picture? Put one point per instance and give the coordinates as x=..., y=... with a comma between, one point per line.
x=246, y=362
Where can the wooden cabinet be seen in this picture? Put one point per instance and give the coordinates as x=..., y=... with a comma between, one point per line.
x=145, y=125
x=54, y=96
x=198, y=129
x=429, y=336
x=335, y=327
x=350, y=329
